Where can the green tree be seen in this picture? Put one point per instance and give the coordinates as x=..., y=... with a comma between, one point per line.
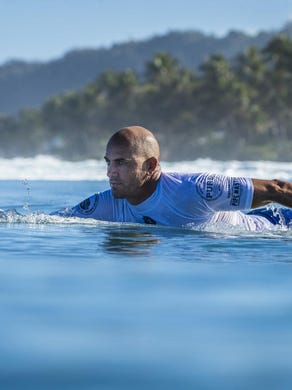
x=251, y=69
x=278, y=98
x=223, y=98
x=167, y=93
x=163, y=69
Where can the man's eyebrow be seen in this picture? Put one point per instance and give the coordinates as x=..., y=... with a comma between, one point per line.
x=118, y=159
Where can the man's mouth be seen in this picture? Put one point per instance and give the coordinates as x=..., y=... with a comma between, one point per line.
x=115, y=183
x=117, y=188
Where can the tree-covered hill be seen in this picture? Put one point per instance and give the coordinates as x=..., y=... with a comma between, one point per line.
x=226, y=109
x=28, y=85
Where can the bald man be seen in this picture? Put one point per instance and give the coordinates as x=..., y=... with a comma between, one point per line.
x=141, y=193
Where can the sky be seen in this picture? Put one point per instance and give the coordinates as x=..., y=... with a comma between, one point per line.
x=43, y=30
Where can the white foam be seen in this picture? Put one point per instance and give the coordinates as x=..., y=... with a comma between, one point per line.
x=51, y=168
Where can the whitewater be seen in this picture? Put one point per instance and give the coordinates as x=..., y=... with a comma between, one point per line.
x=51, y=168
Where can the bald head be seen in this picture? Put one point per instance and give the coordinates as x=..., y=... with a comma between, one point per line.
x=139, y=140
x=132, y=157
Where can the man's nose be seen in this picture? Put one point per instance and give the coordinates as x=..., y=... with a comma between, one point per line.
x=111, y=170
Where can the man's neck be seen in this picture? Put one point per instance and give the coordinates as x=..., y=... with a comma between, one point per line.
x=146, y=190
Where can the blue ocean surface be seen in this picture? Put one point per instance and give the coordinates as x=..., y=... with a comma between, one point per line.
x=87, y=304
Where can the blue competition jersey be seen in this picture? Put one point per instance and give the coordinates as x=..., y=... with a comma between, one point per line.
x=181, y=200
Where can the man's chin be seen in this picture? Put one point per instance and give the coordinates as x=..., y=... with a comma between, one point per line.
x=117, y=194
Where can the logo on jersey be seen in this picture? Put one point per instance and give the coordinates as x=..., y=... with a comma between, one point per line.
x=88, y=205
x=85, y=205
x=235, y=193
x=209, y=186
x=149, y=220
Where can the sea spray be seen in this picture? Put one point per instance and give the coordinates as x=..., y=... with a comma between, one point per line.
x=25, y=206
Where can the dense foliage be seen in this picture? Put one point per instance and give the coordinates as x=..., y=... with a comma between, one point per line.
x=30, y=84
x=239, y=109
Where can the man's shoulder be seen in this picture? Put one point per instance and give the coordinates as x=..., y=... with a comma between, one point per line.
x=179, y=177
x=88, y=205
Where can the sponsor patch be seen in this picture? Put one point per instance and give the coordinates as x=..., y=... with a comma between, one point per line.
x=235, y=192
x=209, y=186
x=88, y=205
x=149, y=220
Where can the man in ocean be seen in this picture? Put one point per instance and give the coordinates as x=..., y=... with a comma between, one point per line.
x=141, y=193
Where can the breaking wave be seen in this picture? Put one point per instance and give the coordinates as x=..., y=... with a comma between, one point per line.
x=51, y=168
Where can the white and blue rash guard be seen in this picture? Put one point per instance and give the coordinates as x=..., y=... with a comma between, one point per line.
x=181, y=200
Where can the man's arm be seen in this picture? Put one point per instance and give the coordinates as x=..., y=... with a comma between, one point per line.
x=267, y=191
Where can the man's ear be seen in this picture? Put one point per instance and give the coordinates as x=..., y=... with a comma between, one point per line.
x=151, y=164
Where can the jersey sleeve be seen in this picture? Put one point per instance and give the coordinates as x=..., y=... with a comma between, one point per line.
x=224, y=193
x=85, y=209
x=98, y=206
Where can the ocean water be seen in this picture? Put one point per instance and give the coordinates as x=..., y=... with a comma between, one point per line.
x=86, y=304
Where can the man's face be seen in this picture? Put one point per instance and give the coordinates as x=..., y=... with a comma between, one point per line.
x=127, y=173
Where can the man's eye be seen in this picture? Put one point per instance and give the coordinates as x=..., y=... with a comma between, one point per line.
x=117, y=162
x=123, y=162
